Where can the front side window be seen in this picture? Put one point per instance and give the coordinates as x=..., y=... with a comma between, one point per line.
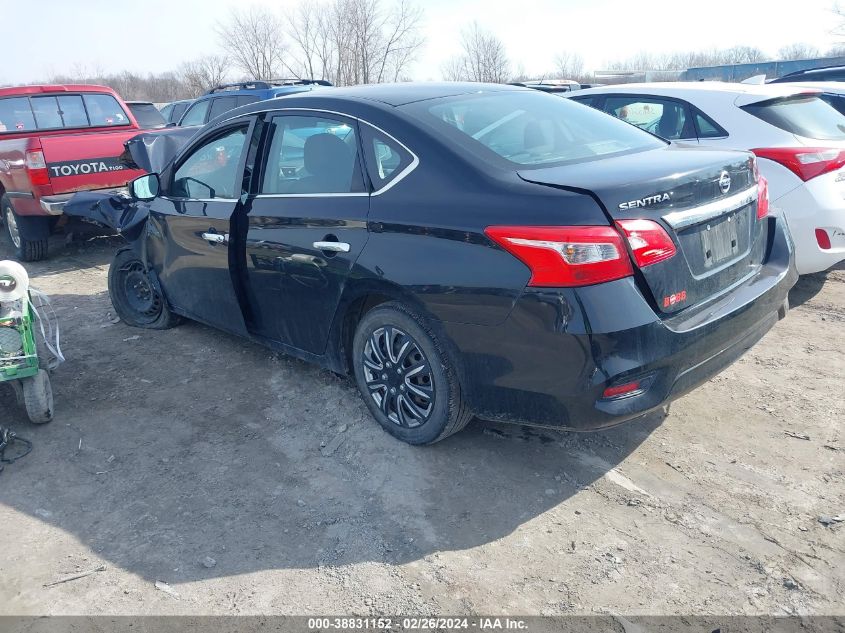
x=312, y=155
x=531, y=128
x=16, y=115
x=804, y=115
x=104, y=110
x=213, y=169
x=196, y=114
x=664, y=117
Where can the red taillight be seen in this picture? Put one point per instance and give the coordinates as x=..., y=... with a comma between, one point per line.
x=621, y=390
x=805, y=162
x=823, y=239
x=648, y=241
x=561, y=256
x=37, y=168
x=762, y=197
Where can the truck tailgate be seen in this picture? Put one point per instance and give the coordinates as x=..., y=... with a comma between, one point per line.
x=78, y=162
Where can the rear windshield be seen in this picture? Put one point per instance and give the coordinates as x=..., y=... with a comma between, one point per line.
x=60, y=111
x=807, y=116
x=147, y=115
x=533, y=128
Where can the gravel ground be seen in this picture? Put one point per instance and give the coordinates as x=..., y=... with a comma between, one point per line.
x=253, y=483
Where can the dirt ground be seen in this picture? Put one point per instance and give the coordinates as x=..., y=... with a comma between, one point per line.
x=252, y=483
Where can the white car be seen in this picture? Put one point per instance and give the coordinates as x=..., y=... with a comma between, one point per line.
x=798, y=138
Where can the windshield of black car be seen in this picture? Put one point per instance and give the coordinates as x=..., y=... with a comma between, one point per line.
x=805, y=115
x=533, y=128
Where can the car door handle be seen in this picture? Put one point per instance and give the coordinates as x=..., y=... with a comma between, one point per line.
x=216, y=238
x=333, y=247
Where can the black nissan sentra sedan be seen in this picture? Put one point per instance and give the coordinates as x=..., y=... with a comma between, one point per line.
x=462, y=250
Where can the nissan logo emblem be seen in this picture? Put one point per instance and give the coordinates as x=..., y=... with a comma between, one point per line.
x=725, y=182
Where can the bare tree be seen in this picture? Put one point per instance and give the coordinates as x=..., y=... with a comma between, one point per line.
x=799, y=50
x=203, y=74
x=355, y=41
x=569, y=65
x=307, y=27
x=484, y=58
x=254, y=39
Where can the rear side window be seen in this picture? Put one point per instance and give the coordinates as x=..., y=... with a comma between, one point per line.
x=221, y=105
x=385, y=158
x=246, y=99
x=312, y=155
x=807, y=116
x=46, y=110
x=585, y=100
x=16, y=115
x=707, y=128
x=666, y=118
x=531, y=128
x=195, y=114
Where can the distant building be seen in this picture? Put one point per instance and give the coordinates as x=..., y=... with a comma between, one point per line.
x=741, y=72
x=636, y=76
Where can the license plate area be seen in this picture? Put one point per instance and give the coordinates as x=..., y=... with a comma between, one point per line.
x=719, y=240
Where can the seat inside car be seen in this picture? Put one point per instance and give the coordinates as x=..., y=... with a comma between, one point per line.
x=329, y=163
x=669, y=126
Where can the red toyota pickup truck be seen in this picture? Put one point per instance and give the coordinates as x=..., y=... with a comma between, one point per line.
x=55, y=141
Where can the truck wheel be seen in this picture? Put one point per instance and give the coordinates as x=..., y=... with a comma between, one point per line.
x=406, y=377
x=20, y=229
x=137, y=300
x=38, y=397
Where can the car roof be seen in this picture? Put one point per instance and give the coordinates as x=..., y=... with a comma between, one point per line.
x=398, y=94
x=48, y=88
x=744, y=93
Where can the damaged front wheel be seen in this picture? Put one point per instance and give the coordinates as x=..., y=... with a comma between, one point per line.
x=136, y=298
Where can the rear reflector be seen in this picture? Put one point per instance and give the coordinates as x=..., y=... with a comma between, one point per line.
x=805, y=162
x=621, y=390
x=565, y=256
x=37, y=168
x=823, y=239
x=762, y=198
x=648, y=240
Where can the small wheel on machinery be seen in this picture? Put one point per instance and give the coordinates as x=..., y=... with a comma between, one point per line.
x=38, y=397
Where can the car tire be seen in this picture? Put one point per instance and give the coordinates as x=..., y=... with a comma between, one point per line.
x=26, y=250
x=406, y=377
x=38, y=397
x=136, y=298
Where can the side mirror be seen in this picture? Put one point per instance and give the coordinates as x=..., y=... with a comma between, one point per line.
x=145, y=188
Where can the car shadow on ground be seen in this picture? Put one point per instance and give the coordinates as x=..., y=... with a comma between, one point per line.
x=807, y=287
x=171, y=447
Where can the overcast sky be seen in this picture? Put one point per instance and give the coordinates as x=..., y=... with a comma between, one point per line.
x=45, y=37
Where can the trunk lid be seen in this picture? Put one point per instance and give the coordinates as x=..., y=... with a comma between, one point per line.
x=706, y=200
x=78, y=162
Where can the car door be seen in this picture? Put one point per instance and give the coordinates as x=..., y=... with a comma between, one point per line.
x=665, y=117
x=307, y=224
x=191, y=224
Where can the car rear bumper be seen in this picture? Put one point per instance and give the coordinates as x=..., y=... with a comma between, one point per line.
x=816, y=205
x=52, y=205
x=550, y=362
